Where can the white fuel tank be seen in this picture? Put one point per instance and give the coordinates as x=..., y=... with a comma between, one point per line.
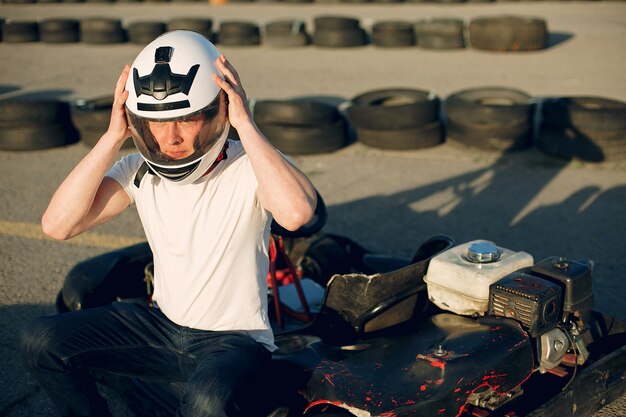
x=458, y=279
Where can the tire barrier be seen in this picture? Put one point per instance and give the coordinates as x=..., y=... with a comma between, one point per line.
x=236, y=33
x=20, y=31
x=286, y=33
x=495, y=119
x=591, y=129
x=393, y=34
x=59, y=30
x=144, y=32
x=201, y=25
x=27, y=125
x=508, y=33
x=338, y=32
x=396, y=118
x=91, y=118
x=440, y=33
x=501, y=33
x=301, y=127
x=102, y=30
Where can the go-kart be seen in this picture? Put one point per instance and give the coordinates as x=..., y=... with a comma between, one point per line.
x=458, y=330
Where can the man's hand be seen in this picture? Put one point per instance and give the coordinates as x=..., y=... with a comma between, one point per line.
x=238, y=109
x=118, y=126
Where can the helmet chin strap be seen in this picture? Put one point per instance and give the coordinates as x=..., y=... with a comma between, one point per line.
x=223, y=155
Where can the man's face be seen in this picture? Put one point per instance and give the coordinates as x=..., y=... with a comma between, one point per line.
x=176, y=139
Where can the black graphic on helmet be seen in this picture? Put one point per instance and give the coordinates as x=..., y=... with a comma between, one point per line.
x=162, y=82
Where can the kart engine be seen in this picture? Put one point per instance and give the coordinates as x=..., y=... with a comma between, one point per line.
x=552, y=299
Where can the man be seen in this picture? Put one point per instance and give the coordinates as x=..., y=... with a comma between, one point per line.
x=206, y=204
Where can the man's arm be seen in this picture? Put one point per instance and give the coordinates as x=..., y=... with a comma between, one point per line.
x=86, y=197
x=283, y=189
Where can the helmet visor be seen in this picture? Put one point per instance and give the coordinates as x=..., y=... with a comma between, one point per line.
x=180, y=141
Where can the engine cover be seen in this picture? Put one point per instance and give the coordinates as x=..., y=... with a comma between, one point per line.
x=533, y=301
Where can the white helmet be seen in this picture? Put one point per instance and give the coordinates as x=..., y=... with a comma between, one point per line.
x=171, y=81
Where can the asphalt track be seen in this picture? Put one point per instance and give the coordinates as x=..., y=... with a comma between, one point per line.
x=390, y=201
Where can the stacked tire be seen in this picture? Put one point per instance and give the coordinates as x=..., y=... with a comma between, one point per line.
x=202, y=25
x=338, y=32
x=286, y=34
x=238, y=33
x=508, y=33
x=400, y=118
x=59, y=30
x=496, y=119
x=300, y=127
x=591, y=129
x=144, y=32
x=20, y=31
x=91, y=117
x=27, y=125
x=442, y=33
x=393, y=34
x=102, y=30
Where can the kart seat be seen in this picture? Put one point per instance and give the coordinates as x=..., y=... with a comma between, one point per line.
x=369, y=303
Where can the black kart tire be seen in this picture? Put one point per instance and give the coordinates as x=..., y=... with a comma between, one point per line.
x=294, y=112
x=30, y=138
x=508, y=33
x=594, y=113
x=201, y=25
x=286, y=33
x=441, y=42
x=336, y=23
x=235, y=33
x=91, y=118
x=282, y=27
x=102, y=30
x=587, y=146
x=445, y=27
x=489, y=105
x=15, y=112
x=145, y=32
x=340, y=38
x=92, y=113
x=59, y=30
x=418, y=137
x=19, y=31
x=304, y=140
x=503, y=138
x=393, y=34
x=393, y=108
x=287, y=41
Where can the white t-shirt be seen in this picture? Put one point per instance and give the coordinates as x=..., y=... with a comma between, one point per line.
x=210, y=245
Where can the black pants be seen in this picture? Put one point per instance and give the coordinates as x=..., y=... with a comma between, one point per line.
x=63, y=351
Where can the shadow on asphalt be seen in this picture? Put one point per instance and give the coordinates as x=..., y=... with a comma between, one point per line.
x=496, y=203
